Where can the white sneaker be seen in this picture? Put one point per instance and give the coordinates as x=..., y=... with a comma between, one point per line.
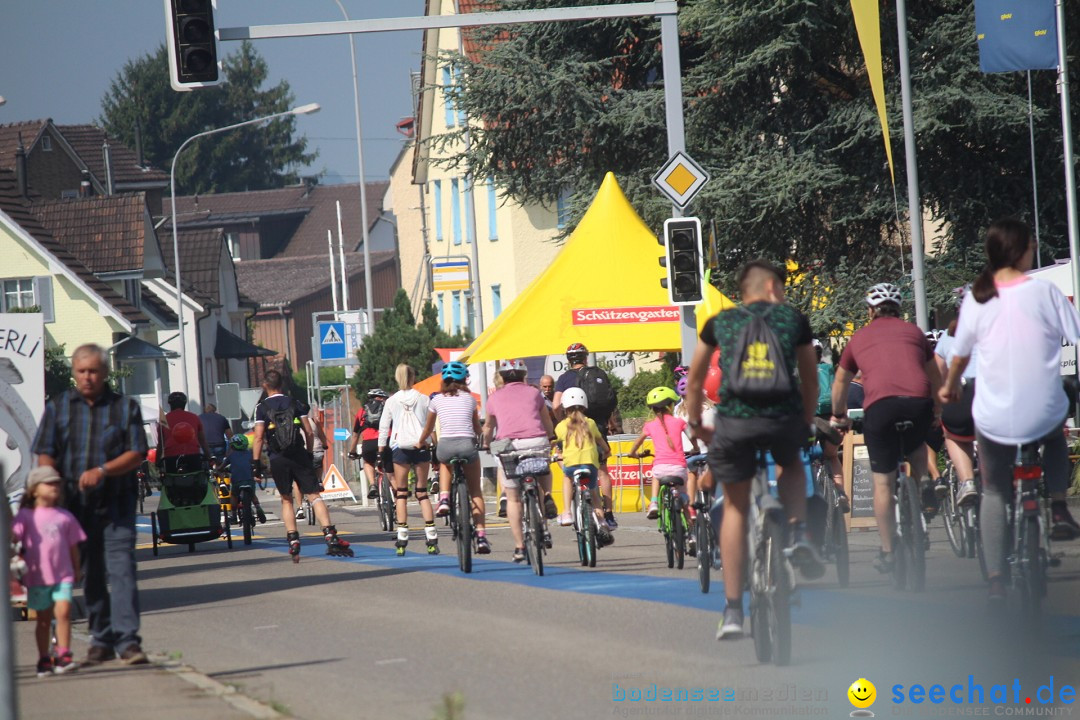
x=300, y=514
x=731, y=627
x=966, y=493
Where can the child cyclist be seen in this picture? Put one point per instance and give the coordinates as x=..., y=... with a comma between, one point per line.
x=582, y=443
x=50, y=537
x=666, y=432
x=241, y=473
x=459, y=425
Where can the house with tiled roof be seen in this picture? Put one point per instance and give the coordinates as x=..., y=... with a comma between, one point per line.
x=215, y=314
x=515, y=243
x=69, y=161
x=39, y=270
x=288, y=290
x=291, y=221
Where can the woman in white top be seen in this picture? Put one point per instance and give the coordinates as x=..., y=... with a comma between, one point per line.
x=459, y=425
x=401, y=426
x=1016, y=324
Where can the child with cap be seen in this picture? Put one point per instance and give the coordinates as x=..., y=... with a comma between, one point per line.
x=50, y=537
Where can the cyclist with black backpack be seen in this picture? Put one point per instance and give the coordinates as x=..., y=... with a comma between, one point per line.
x=768, y=395
x=366, y=433
x=283, y=428
x=602, y=401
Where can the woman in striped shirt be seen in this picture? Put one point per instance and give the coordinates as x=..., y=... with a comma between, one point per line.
x=459, y=425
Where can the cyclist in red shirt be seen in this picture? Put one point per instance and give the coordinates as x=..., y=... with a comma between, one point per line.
x=901, y=380
x=185, y=441
x=366, y=433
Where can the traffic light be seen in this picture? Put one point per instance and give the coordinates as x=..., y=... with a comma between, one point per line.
x=685, y=270
x=192, y=43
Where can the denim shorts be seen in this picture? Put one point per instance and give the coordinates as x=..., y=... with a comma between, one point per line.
x=411, y=456
x=43, y=597
x=591, y=469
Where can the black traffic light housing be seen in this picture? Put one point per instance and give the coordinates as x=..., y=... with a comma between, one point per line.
x=192, y=43
x=683, y=260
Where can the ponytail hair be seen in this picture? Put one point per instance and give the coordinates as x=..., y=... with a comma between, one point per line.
x=661, y=411
x=1007, y=240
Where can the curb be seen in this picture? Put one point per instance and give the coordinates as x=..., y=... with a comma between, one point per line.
x=229, y=694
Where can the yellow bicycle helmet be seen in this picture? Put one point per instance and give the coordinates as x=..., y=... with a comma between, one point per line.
x=661, y=396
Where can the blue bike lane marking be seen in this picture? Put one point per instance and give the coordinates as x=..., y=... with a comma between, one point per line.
x=819, y=607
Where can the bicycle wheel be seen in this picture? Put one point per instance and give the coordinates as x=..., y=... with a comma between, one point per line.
x=916, y=580
x=666, y=525
x=952, y=515
x=534, y=544
x=463, y=508
x=827, y=489
x=840, y=547
x=247, y=514
x=976, y=544
x=678, y=532
x=588, y=532
x=154, y=532
x=579, y=529
x=1033, y=583
x=703, y=532
x=387, y=511
x=770, y=608
x=228, y=532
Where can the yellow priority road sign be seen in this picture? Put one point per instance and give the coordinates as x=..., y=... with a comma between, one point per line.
x=680, y=179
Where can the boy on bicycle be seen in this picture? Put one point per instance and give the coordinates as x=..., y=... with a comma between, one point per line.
x=241, y=472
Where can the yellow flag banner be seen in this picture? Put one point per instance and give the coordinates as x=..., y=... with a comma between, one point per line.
x=868, y=27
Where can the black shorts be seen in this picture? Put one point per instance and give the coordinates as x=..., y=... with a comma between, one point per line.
x=733, y=450
x=287, y=469
x=879, y=429
x=956, y=416
x=369, y=451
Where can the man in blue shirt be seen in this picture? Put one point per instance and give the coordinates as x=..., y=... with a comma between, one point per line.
x=95, y=438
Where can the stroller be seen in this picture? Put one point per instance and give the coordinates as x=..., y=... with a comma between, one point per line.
x=189, y=511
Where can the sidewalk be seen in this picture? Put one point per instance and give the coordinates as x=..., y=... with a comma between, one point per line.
x=162, y=690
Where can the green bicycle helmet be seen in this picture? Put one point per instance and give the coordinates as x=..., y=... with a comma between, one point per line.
x=661, y=396
x=238, y=443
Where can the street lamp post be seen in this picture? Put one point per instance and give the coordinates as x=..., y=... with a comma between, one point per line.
x=302, y=110
x=368, y=294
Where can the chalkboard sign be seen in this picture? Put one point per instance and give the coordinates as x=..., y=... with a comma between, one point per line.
x=858, y=482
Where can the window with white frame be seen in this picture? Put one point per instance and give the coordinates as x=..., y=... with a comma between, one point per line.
x=18, y=293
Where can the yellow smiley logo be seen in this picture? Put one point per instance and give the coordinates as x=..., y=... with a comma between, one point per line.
x=862, y=693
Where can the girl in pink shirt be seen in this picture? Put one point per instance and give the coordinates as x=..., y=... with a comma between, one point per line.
x=666, y=432
x=50, y=536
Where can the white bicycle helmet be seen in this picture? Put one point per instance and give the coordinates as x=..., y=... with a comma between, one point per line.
x=883, y=293
x=575, y=397
x=512, y=365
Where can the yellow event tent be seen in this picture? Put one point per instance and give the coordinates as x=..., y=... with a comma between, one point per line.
x=603, y=289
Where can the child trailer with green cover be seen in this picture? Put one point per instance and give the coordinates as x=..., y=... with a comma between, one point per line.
x=189, y=511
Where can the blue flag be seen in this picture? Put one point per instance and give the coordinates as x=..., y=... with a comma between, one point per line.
x=1016, y=35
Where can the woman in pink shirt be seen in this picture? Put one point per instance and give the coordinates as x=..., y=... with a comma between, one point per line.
x=666, y=432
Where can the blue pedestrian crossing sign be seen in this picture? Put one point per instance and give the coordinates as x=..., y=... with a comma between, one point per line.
x=332, y=341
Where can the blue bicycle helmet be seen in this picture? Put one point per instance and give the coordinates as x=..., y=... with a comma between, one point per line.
x=456, y=371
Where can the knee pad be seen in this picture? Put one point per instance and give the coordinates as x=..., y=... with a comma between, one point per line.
x=421, y=493
x=318, y=499
x=402, y=494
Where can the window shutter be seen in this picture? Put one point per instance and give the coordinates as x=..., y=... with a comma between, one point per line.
x=43, y=297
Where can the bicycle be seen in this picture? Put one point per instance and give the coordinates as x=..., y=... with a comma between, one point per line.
x=584, y=518
x=672, y=520
x=771, y=577
x=385, y=501
x=962, y=521
x=708, y=557
x=246, y=510
x=142, y=478
x=1029, y=557
x=834, y=536
x=461, y=524
x=527, y=466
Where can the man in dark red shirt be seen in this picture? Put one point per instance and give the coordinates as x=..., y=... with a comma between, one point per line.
x=900, y=381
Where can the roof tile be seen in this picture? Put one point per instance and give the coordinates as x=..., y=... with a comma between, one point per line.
x=282, y=280
x=108, y=234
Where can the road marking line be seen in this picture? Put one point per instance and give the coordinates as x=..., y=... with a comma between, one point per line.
x=392, y=661
x=265, y=627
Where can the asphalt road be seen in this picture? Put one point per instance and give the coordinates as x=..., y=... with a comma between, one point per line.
x=383, y=636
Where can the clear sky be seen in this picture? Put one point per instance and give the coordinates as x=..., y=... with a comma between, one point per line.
x=57, y=58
